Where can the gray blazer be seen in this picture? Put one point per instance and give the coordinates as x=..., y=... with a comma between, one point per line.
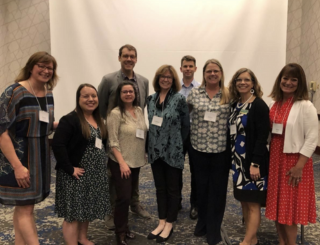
x=108, y=86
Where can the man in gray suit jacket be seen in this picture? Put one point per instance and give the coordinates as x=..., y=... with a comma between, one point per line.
x=106, y=92
x=109, y=83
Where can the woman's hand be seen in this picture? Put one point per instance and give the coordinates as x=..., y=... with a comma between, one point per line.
x=254, y=173
x=295, y=174
x=125, y=170
x=77, y=172
x=22, y=176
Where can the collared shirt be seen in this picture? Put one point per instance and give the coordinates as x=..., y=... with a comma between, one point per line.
x=186, y=90
x=134, y=81
x=208, y=136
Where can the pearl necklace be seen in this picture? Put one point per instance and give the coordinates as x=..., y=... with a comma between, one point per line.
x=240, y=106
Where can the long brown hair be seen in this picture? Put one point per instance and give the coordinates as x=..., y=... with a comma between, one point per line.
x=234, y=94
x=39, y=57
x=96, y=115
x=225, y=93
x=296, y=71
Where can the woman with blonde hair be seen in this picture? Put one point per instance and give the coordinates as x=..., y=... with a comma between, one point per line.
x=168, y=129
x=248, y=135
x=210, y=108
x=26, y=120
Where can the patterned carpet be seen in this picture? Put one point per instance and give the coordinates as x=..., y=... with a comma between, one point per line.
x=49, y=226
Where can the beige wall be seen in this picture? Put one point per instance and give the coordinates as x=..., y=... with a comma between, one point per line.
x=303, y=40
x=24, y=30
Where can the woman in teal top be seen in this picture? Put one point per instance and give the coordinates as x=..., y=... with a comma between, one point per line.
x=169, y=124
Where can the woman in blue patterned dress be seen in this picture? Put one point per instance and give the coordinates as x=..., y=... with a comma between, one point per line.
x=249, y=130
x=82, y=183
x=168, y=129
x=26, y=120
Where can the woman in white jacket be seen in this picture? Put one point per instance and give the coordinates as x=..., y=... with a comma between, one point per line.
x=294, y=124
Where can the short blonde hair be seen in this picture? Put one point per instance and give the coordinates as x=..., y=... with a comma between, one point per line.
x=176, y=86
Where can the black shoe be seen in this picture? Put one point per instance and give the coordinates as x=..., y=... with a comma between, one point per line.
x=193, y=213
x=153, y=236
x=161, y=239
x=180, y=206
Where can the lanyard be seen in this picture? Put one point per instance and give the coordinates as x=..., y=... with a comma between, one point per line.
x=34, y=94
x=274, y=118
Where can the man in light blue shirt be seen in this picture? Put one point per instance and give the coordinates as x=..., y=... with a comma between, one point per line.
x=188, y=68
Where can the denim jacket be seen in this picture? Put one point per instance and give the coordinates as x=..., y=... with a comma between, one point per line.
x=166, y=142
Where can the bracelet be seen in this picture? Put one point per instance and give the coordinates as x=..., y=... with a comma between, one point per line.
x=255, y=165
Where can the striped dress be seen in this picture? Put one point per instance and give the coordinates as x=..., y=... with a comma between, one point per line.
x=19, y=114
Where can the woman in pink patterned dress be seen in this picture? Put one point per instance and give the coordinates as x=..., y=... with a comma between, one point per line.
x=294, y=123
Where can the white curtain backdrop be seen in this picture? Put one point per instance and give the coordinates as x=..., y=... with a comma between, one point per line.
x=87, y=34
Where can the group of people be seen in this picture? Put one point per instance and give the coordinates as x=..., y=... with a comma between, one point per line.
x=101, y=145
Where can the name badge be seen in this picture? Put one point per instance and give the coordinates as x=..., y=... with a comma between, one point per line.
x=140, y=134
x=243, y=111
x=44, y=116
x=277, y=128
x=210, y=116
x=233, y=129
x=98, y=143
x=157, y=121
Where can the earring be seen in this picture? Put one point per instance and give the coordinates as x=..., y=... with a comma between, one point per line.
x=252, y=91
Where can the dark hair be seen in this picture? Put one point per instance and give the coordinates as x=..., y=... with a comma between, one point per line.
x=176, y=86
x=117, y=100
x=96, y=115
x=188, y=58
x=291, y=70
x=129, y=47
x=39, y=57
x=233, y=92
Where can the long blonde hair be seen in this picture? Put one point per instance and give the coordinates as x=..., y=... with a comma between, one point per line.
x=225, y=93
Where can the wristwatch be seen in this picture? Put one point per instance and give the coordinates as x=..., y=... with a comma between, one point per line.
x=255, y=165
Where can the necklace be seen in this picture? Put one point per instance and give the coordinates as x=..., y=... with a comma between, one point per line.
x=240, y=106
x=34, y=94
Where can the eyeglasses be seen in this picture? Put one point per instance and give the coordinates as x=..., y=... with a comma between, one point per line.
x=246, y=80
x=214, y=71
x=166, y=77
x=126, y=56
x=43, y=68
x=127, y=91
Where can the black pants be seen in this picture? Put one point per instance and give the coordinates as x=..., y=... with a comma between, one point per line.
x=124, y=190
x=187, y=147
x=166, y=180
x=211, y=172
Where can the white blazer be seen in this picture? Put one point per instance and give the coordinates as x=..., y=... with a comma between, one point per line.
x=301, y=135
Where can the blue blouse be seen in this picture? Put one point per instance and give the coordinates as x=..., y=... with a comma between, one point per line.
x=166, y=142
